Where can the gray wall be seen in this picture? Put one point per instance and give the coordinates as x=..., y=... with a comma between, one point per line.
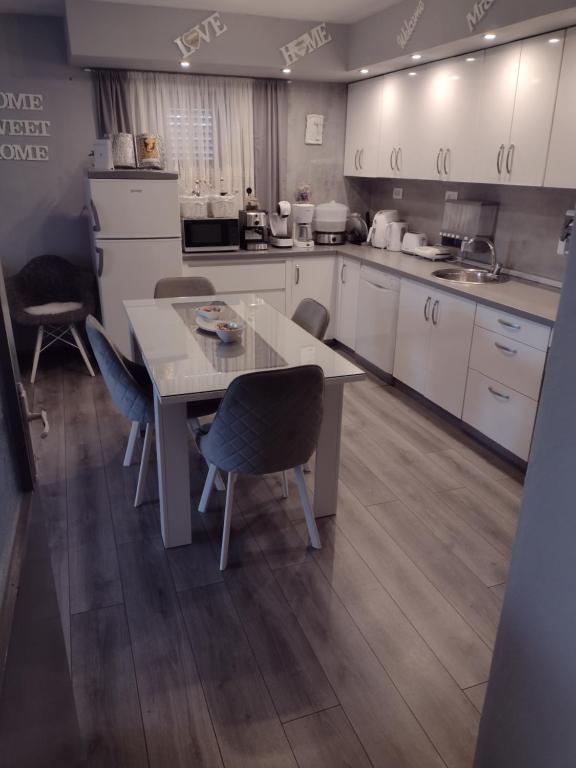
x=529, y=714
x=529, y=222
x=41, y=202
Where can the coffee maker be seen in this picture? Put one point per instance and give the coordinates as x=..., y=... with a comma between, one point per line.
x=279, y=226
x=253, y=230
x=302, y=215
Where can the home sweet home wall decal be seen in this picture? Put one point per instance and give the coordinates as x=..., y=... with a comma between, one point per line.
x=12, y=125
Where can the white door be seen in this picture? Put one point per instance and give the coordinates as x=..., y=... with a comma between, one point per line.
x=130, y=269
x=525, y=161
x=452, y=321
x=347, y=302
x=377, y=318
x=413, y=335
x=495, y=112
x=314, y=278
x=131, y=208
x=412, y=156
x=363, y=128
x=561, y=169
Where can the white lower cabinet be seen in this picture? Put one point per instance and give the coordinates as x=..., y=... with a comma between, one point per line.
x=314, y=277
x=265, y=278
x=347, y=302
x=433, y=344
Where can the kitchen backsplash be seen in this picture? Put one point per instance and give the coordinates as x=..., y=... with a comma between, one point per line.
x=529, y=220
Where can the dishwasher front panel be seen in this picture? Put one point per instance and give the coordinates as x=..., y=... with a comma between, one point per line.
x=377, y=318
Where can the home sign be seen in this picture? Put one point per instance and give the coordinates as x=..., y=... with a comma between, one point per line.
x=22, y=126
x=306, y=43
x=204, y=32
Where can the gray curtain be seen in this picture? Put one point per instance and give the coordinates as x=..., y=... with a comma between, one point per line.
x=111, y=102
x=270, y=138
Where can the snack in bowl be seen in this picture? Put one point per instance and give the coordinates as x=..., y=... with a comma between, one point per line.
x=210, y=311
x=229, y=331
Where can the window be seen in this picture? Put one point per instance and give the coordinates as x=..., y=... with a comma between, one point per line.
x=190, y=135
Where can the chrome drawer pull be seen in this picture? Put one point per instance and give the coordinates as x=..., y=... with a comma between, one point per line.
x=499, y=394
x=505, y=349
x=508, y=324
x=426, y=308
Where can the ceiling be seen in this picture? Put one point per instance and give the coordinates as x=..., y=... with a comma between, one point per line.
x=334, y=11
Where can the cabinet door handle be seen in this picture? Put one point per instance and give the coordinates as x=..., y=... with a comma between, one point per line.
x=342, y=273
x=392, y=158
x=427, y=308
x=498, y=394
x=398, y=159
x=356, y=160
x=508, y=350
x=297, y=275
x=361, y=159
x=508, y=324
x=499, y=159
x=438, y=161
x=435, y=312
x=510, y=158
x=100, y=254
x=446, y=157
x=95, y=217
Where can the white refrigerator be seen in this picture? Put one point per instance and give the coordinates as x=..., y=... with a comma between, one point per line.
x=137, y=240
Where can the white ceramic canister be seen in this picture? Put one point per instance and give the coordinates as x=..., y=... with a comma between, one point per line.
x=123, y=150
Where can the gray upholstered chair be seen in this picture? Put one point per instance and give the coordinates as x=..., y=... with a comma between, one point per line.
x=131, y=390
x=268, y=421
x=52, y=295
x=313, y=317
x=176, y=287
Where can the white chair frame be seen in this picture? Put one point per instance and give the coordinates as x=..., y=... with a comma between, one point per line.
x=57, y=333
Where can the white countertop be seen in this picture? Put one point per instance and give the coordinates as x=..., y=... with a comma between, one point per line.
x=529, y=299
x=187, y=364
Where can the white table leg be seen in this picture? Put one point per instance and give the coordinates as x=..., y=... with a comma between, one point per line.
x=173, y=472
x=328, y=453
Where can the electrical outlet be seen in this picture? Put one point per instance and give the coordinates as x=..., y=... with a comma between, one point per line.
x=397, y=193
x=451, y=195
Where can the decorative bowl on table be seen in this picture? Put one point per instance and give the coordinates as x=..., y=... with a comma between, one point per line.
x=210, y=311
x=229, y=331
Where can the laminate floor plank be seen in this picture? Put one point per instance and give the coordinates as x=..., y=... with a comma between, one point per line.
x=479, y=514
x=499, y=590
x=458, y=584
x=477, y=694
x=94, y=573
x=326, y=740
x=358, y=419
x=105, y=690
x=389, y=732
x=293, y=675
x=429, y=690
x=177, y=722
x=463, y=653
x=368, y=487
x=247, y=726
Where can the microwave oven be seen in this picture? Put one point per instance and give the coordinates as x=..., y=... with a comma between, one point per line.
x=210, y=235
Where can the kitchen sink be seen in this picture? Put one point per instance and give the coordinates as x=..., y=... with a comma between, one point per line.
x=464, y=275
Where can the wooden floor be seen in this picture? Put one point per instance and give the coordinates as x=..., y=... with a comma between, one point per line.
x=373, y=651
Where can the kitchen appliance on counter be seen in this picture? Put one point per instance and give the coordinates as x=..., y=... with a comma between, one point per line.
x=103, y=156
x=279, y=236
x=396, y=232
x=253, y=230
x=463, y=219
x=330, y=223
x=413, y=240
x=379, y=234
x=204, y=235
x=302, y=216
x=356, y=229
x=136, y=240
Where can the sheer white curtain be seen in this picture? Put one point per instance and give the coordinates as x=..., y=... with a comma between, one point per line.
x=206, y=122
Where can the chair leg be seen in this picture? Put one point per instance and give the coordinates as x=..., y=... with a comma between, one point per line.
x=134, y=432
x=37, y=350
x=80, y=345
x=285, y=492
x=227, y=520
x=308, y=513
x=219, y=483
x=144, y=462
x=208, y=485
x=307, y=468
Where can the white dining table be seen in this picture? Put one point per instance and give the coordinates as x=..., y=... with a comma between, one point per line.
x=186, y=364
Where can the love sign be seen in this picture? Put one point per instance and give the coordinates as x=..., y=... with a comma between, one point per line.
x=205, y=32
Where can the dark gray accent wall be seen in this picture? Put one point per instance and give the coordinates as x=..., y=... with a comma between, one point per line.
x=529, y=714
x=41, y=202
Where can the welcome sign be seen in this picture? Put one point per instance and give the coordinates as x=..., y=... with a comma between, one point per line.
x=11, y=125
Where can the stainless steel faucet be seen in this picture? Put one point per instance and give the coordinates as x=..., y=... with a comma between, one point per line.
x=495, y=267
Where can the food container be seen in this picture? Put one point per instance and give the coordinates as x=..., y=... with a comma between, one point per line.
x=330, y=217
x=150, y=151
x=123, y=150
x=230, y=331
x=192, y=207
x=223, y=206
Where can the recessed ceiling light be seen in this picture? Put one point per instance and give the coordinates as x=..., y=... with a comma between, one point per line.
x=412, y=74
x=416, y=56
x=470, y=58
x=286, y=70
x=185, y=64
x=363, y=71
x=554, y=40
x=490, y=36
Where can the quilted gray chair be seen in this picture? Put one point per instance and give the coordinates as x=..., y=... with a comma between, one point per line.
x=52, y=295
x=131, y=390
x=268, y=421
x=176, y=287
x=313, y=317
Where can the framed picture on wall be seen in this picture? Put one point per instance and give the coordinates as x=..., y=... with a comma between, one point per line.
x=314, y=129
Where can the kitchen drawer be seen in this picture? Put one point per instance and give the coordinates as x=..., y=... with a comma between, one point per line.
x=236, y=278
x=508, y=361
x=514, y=327
x=500, y=413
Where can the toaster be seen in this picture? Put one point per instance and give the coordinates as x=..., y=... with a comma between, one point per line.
x=411, y=241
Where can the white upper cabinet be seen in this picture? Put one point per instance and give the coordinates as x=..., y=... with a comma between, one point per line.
x=363, y=128
x=393, y=97
x=561, y=170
